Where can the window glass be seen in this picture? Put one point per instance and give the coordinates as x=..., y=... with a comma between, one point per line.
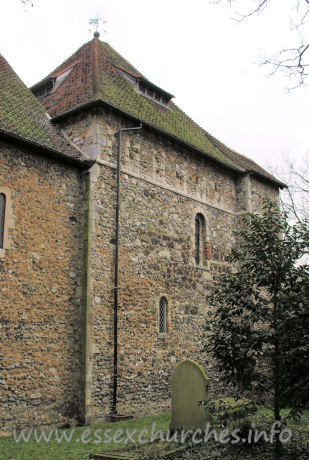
x=162, y=314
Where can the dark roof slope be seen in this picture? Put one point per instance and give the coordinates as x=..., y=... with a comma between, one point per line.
x=97, y=73
x=23, y=118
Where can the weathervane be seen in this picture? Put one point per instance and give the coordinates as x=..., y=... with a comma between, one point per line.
x=27, y=2
x=95, y=23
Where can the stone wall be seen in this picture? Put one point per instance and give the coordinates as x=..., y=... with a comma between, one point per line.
x=39, y=290
x=57, y=300
x=163, y=187
x=156, y=258
x=260, y=191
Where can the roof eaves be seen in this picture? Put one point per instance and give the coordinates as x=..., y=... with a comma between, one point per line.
x=237, y=168
x=224, y=149
x=99, y=102
x=267, y=177
x=47, y=151
x=281, y=185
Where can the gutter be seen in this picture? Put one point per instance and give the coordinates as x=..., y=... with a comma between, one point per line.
x=116, y=273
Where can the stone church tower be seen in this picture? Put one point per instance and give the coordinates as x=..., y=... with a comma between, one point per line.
x=118, y=216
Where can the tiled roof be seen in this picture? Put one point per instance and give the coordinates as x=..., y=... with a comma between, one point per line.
x=23, y=118
x=97, y=74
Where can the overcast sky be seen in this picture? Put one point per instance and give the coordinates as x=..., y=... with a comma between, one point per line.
x=192, y=49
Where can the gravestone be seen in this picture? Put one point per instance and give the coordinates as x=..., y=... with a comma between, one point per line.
x=189, y=385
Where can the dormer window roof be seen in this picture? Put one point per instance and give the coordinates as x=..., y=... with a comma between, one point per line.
x=50, y=84
x=146, y=88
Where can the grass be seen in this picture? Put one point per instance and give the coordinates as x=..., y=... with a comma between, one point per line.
x=75, y=449
x=263, y=418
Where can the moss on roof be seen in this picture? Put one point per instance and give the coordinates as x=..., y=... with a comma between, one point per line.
x=95, y=76
x=22, y=115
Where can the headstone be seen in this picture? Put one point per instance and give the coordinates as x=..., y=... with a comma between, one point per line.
x=189, y=385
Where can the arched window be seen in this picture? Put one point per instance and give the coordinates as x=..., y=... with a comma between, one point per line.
x=200, y=238
x=2, y=217
x=163, y=315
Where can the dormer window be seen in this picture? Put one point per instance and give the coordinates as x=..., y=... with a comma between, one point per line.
x=153, y=92
x=146, y=88
x=50, y=84
x=142, y=86
x=44, y=89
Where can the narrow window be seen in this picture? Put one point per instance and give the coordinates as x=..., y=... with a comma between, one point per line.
x=197, y=240
x=2, y=216
x=162, y=315
x=200, y=239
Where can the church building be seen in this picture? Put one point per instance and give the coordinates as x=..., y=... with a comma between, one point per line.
x=117, y=212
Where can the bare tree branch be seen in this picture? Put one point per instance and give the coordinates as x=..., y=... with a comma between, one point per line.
x=292, y=62
x=261, y=6
x=295, y=200
x=293, y=206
